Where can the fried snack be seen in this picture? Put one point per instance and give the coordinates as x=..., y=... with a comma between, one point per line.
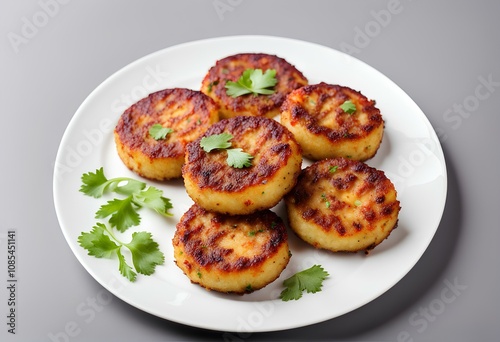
x=343, y=206
x=276, y=163
x=187, y=113
x=231, y=254
x=323, y=129
x=232, y=67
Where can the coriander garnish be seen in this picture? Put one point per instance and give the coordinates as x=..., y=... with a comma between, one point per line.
x=348, y=107
x=101, y=243
x=253, y=81
x=123, y=211
x=235, y=156
x=158, y=132
x=309, y=280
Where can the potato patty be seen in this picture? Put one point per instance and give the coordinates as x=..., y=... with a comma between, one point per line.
x=343, y=205
x=276, y=163
x=186, y=112
x=231, y=254
x=232, y=67
x=324, y=130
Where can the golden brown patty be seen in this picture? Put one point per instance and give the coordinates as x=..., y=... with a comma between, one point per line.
x=231, y=68
x=324, y=130
x=188, y=113
x=343, y=205
x=231, y=253
x=276, y=163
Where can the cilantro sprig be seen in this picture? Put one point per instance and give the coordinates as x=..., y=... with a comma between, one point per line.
x=253, y=81
x=123, y=212
x=309, y=280
x=236, y=157
x=102, y=243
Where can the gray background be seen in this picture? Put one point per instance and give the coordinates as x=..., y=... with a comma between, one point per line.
x=436, y=51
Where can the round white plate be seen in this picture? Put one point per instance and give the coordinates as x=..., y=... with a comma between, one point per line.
x=410, y=155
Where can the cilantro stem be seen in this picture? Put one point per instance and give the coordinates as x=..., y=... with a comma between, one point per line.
x=115, y=182
x=113, y=236
x=146, y=254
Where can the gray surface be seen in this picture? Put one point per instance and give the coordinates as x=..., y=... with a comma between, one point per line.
x=436, y=52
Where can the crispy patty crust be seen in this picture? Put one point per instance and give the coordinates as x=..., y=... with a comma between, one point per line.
x=232, y=67
x=323, y=129
x=343, y=205
x=186, y=112
x=231, y=254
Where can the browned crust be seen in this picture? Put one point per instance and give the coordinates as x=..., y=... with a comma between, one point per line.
x=348, y=127
x=232, y=67
x=375, y=183
x=201, y=242
x=210, y=170
x=132, y=130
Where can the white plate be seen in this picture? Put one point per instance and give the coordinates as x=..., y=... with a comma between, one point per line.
x=410, y=155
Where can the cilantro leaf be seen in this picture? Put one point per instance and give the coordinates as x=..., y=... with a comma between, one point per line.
x=348, y=106
x=262, y=81
x=145, y=253
x=151, y=198
x=125, y=269
x=309, y=280
x=216, y=141
x=253, y=81
x=238, y=159
x=158, y=132
x=130, y=187
x=167, y=205
x=97, y=243
x=122, y=212
x=95, y=184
